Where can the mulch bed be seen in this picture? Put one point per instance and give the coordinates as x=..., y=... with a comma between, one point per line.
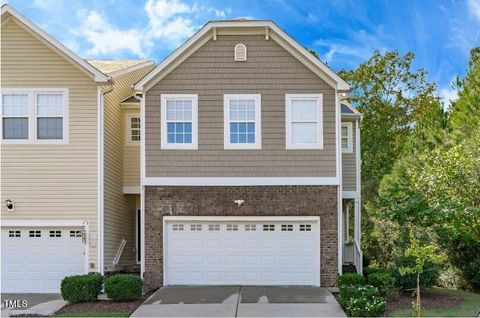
x=105, y=306
x=428, y=300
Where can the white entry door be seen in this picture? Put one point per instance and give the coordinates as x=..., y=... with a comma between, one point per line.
x=236, y=251
x=35, y=260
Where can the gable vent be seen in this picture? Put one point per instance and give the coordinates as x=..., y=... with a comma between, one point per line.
x=240, y=53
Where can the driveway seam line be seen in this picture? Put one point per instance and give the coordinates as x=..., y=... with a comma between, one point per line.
x=238, y=300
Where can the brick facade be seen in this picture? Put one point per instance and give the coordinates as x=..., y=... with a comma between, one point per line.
x=259, y=201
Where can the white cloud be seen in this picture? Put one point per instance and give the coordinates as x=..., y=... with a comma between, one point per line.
x=448, y=95
x=220, y=13
x=474, y=8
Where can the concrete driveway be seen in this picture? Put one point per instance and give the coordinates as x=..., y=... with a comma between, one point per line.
x=31, y=304
x=236, y=301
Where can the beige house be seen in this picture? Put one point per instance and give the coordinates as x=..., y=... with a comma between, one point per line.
x=64, y=153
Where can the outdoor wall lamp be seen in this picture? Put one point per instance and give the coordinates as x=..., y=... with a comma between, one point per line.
x=239, y=202
x=10, y=205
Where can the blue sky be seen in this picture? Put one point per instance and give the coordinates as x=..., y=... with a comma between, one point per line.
x=343, y=32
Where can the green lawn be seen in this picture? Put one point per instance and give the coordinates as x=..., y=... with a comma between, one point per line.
x=95, y=314
x=469, y=307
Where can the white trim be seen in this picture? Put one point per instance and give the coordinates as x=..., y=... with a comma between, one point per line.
x=350, y=194
x=57, y=46
x=128, y=129
x=323, y=70
x=163, y=135
x=137, y=252
x=359, y=180
x=131, y=190
x=100, y=179
x=130, y=105
x=130, y=68
x=142, y=188
x=258, y=121
x=340, y=187
x=44, y=223
x=32, y=115
x=238, y=181
x=288, y=121
x=170, y=218
x=349, y=126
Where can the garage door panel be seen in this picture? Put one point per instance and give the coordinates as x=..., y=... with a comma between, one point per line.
x=236, y=252
x=39, y=259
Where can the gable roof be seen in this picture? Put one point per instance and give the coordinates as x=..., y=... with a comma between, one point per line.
x=271, y=31
x=347, y=110
x=118, y=67
x=8, y=12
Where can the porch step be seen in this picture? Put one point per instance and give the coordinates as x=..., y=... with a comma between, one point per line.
x=349, y=268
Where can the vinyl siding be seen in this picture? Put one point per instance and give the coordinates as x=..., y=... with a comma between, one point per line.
x=349, y=164
x=119, y=221
x=211, y=72
x=131, y=156
x=56, y=181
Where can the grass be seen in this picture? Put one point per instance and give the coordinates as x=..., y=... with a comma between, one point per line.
x=469, y=307
x=95, y=314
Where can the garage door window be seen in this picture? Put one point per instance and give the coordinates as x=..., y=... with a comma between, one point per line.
x=195, y=227
x=35, y=233
x=232, y=227
x=14, y=233
x=305, y=227
x=250, y=227
x=55, y=233
x=214, y=227
x=287, y=227
x=177, y=227
x=269, y=227
x=75, y=233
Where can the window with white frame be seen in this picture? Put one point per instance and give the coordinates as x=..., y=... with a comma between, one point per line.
x=34, y=115
x=179, y=121
x=304, y=126
x=133, y=129
x=347, y=137
x=242, y=127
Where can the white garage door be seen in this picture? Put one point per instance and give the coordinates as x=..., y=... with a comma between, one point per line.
x=267, y=251
x=37, y=259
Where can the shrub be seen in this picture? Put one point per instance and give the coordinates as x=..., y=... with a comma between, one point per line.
x=362, y=301
x=350, y=279
x=409, y=281
x=367, y=259
x=123, y=287
x=81, y=288
x=370, y=270
x=383, y=280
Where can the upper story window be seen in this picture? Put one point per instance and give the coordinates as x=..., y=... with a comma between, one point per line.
x=242, y=128
x=179, y=121
x=34, y=116
x=304, y=126
x=133, y=129
x=347, y=138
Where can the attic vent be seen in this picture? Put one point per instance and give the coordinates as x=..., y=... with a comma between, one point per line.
x=240, y=52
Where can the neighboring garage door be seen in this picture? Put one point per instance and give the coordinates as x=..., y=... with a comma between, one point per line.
x=35, y=260
x=267, y=251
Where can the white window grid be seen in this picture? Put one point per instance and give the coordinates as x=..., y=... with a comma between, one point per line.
x=250, y=227
x=305, y=227
x=14, y=233
x=287, y=227
x=133, y=129
x=177, y=227
x=195, y=227
x=232, y=227
x=227, y=98
x=289, y=121
x=55, y=233
x=347, y=137
x=35, y=233
x=75, y=233
x=269, y=227
x=214, y=227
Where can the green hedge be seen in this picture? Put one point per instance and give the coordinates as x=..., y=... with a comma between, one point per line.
x=350, y=279
x=383, y=280
x=407, y=282
x=362, y=301
x=123, y=287
x=81, y=288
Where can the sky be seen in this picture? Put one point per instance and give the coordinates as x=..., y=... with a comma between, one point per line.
x=344, y=33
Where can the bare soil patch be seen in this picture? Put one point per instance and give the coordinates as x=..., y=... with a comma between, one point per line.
x=428, y=300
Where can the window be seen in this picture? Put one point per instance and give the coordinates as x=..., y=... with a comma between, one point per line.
x=56, y=233
x=269, y=227
x=179, y=121
x=305, y=227
x=242, y=128
x=287, y=227
x=35, y=233
x=14, y=233
x=177, y=227
x=133, y=129
x=15, y=116
x=195, y=227
x=347, y=139
x=75, y=233
x=304, y=127
x=232, y=227
x=214, y=227
x=34, y=116
x=250, y=227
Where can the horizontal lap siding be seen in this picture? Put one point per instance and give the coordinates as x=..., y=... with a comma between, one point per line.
x=131, y=157
x=50, y=182
x=211, y=72
x=119, y=208
x=349, y=165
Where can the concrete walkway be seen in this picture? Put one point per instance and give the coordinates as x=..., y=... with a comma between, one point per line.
x=31, y=304
x=236, y=301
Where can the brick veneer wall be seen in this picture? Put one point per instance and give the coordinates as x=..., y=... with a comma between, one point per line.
x=259, y=201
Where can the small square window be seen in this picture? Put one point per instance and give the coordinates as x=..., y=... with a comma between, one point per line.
x=133, y=130
x=195, y=227
x=232, y=227
x=287, y=227
x=56, y=233
x=250, y=227
x=75, y=233
x=34, y=233
x=177, y=227
x=305, y=227
x=14, y=233
x=214, y=227
x=269, y=227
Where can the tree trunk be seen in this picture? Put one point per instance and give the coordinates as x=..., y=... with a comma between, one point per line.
x=417, y=305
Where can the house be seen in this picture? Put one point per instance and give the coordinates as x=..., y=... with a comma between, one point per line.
x=64, y=153
x=250, y=166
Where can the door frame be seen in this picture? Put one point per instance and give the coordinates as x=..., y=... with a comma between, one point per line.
x=182, y=218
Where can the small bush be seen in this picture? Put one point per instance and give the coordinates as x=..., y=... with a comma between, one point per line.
x=362, y=301
x=367, y=259
x=350, y=279
x=123, y=287
x=407, y=282
x=81, y=288
x=383, y=280
x=370, y=270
